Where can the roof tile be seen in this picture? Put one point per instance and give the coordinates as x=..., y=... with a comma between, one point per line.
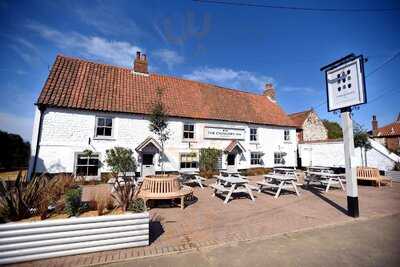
x=80, y=84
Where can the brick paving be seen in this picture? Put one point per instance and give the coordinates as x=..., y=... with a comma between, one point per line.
x=208, y=222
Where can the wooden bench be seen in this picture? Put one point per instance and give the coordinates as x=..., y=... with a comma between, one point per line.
x=372, y=174
x=163, y=187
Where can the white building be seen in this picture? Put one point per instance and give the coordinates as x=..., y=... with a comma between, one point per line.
x=330, y=153
x=87, y=105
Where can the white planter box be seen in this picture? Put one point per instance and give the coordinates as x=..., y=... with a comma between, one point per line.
x=54, y=238
x=395, y=175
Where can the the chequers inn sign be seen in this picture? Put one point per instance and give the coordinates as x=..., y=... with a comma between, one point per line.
x=223, y=133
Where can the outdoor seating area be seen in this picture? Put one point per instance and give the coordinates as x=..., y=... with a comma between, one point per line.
x=192, y=177
x=168, y=187
x=210, y=222
x=231, y=185
x=372, y=174
x=229, y=206
x=280, y=179
x=325, y=177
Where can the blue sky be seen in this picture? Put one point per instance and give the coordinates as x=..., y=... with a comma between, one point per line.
x=239, y=47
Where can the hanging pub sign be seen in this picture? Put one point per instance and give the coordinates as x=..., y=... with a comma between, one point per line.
x=345, y=87
x=223, y=133
x=345, y=82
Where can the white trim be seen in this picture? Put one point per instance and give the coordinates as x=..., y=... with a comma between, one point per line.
x=186, y=140
x=257, y=136
x=88, y=177
x=113, y=127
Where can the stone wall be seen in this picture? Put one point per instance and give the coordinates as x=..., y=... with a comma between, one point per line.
x=393, y=143
x=314, y=129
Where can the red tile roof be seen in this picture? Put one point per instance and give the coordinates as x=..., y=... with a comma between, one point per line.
x=80, y=84
x=232, y=145
x=392, y=129
x=298, y=118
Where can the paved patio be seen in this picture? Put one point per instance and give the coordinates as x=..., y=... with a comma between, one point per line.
x=209, y=222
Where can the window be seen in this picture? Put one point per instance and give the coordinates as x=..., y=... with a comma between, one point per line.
x=253, y=134
x=219, y=162
x=87, y=166
x=104, y=127
x=286, y=135
x=189, y=161
x=188, y=131
x=255, y=158
x=279, y=158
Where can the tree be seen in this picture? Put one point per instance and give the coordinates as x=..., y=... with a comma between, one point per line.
x=121, y=161
x=208, y=161
x=159, y=124
x=361, y=140
x=14, y=151
x=334, y=129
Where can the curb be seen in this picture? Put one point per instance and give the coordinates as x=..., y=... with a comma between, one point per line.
x=215, y=244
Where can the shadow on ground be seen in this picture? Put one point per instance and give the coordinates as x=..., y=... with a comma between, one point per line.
x=319, y=193
x=155, y=227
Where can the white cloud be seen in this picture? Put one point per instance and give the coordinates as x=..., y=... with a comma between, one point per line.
x=108, y=19
x=169, y=57
x=111, y=51
x=16, y=124
x=298, y=89
x=240, y=79
x=24, y=49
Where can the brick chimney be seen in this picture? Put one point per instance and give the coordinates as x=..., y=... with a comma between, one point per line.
x=269, y=91
x=140, y=64
x=374, y=125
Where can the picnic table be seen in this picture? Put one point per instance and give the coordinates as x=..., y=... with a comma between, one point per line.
x=284, y=170
x=231, y=185
x=319, y=169
x=230, y=173
x=325, y=178
x=279, y=181
x=190, y=177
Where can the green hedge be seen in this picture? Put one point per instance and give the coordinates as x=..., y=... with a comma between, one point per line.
x=208, y=161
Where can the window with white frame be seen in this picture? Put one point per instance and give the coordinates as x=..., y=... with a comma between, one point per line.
x=253, y=134
x=219, y=162
x=189, y=161
x=286, y=135
x=87, y=165
x=279, y=158
x=188, y=131
x=255, y=158
x=104, y=126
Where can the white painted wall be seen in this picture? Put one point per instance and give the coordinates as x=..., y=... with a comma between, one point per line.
x=331, y=154
x=65, y=132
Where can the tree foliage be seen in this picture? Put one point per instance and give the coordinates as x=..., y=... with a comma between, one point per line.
x=159, y=122
x=73, y=202
x=209, y=159
x=334, y=129
x=121, y=161
x=361, y=137
x=14, y=151
x=23, y=198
